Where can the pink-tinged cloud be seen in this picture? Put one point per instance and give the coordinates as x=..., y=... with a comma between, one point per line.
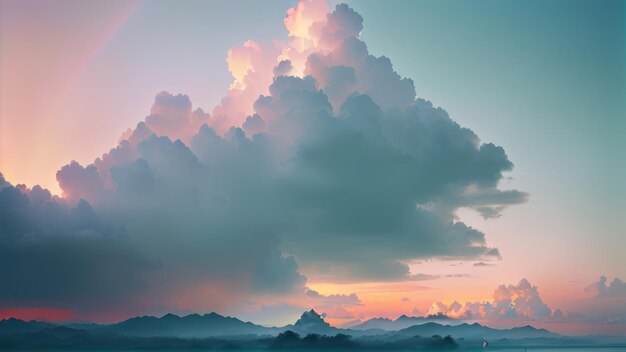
x=515, y=305
x=318, y=162
x=518, y=302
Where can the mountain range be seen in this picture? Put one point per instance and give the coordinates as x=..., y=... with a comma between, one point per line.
x=402, y=322
x=310, y=322
x=310, y=330
x=476, y=331
x=16, y=326
x=193, y=325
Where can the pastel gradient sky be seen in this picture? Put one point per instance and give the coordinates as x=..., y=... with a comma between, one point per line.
x=546, y=81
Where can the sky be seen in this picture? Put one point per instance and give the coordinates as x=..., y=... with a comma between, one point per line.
x=500, y=186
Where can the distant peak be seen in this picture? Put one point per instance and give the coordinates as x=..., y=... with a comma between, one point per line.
x=170, y=316
x=311, y=314
x=311, y=317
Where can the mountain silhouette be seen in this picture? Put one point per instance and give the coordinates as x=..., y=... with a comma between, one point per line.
x=193, y=325
x=403, y=322
x=475, y=331
x=16, y=326
x=215, y=325
x=310, y=332
x=311, y=322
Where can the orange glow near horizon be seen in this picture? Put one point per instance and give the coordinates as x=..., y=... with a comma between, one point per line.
x=421, y=298
x=389, y=299
x=46, y=314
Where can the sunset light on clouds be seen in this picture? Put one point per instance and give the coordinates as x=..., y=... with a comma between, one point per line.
x=278, y=167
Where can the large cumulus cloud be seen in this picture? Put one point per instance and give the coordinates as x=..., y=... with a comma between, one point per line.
x=318, y=160
x=358, y=185
x=207, y=223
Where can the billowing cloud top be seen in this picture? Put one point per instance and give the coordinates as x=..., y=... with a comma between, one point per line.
x=521, y=301
x=319, y=160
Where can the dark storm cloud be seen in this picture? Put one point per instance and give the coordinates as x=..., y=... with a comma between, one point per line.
x=359, y=177
x=188, y=210
x=55, y=256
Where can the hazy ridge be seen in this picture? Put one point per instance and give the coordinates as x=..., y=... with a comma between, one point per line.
x=215, y=331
